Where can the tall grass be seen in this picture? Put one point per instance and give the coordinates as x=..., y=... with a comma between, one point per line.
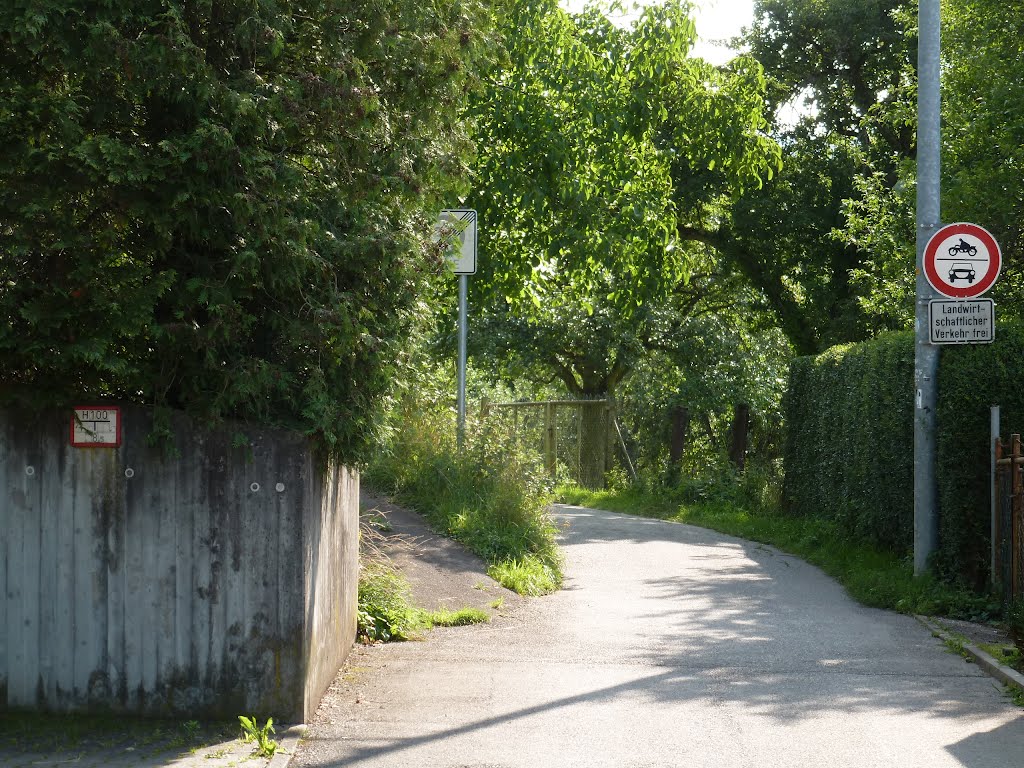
x=491, y=496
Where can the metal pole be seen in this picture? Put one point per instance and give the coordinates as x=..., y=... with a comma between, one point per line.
x=993, y=436
x=926, y=358
x=461, y=399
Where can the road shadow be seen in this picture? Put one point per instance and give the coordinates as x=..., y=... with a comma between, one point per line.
x=708, y=620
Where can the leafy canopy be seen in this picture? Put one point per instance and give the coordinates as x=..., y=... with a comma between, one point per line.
x=225, y=207
x=596, y=144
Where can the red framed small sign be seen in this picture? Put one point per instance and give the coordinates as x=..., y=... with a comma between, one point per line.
x=96, y=426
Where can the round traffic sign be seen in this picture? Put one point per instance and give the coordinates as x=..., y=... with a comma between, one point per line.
x=962, y=261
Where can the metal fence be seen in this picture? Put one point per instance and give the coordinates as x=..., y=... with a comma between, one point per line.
x=577, y=438
x=1008, y=518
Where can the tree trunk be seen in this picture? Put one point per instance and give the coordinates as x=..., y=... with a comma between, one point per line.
x=740, y=424
x=593, y=443
x=680, y=428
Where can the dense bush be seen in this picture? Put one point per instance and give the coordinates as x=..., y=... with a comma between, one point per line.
x=850, y=436
x=850, y=442
x=971, y=380
x=225, y=207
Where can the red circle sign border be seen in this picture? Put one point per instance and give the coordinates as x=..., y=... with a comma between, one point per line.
x=987, y=240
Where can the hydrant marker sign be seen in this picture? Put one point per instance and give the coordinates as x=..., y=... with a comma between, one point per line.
x=96, y=427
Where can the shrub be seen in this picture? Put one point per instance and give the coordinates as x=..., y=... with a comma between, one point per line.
x=972, y=378
x=225, y=208
x=849, y=442
x=385, y=610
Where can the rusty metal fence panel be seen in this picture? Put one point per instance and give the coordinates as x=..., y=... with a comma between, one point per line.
x=1009, y=518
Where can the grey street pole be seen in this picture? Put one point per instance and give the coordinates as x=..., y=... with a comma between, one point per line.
x=461, y=398
x=926, y=357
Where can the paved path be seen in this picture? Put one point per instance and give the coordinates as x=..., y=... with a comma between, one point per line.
x=669, y=646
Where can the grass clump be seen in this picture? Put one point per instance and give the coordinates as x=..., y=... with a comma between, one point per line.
x=491, y=496
x=460, y=618
x=385, y=611
x=261, y=737
x=872, y=576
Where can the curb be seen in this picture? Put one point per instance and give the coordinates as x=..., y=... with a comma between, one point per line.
x=996, y=669
x=287, y=745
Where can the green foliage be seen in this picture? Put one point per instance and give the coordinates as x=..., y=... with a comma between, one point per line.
x=849, y=444
x=1015, y=623
x=856, y=61
x=824, y=241
x=527, y=575
x=971, y=379
x=491, y=496
x=597, y=144
x=460, y=618
x=871, y=575
x=260, y=737
x=983, y=130
x=849, y=448
x=226, y=207
x=385, y=611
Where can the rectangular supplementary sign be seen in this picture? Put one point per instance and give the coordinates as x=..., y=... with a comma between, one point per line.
x=962, y=322
x=460, y=225
x=96, y=427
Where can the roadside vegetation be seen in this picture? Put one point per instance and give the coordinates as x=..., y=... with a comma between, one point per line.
x=386, y=611
x=491, y=496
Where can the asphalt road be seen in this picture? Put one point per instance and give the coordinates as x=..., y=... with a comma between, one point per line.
x=670, y=646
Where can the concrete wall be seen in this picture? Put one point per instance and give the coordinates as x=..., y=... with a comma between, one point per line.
x=217, y=583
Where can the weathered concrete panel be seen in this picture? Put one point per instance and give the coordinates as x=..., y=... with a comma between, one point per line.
x=214, y=582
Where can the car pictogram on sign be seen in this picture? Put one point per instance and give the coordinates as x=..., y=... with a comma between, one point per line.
x=963, y=271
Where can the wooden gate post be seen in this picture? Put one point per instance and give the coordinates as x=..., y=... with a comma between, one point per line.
x=997, y=515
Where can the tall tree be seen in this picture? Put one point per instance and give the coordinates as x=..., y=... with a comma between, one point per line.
x=597, y=144
x=840, y=73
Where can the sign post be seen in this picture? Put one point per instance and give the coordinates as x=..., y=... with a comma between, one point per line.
x=926, y=355
x=462, y=256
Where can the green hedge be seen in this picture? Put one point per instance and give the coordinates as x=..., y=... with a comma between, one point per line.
x=849, y=452
x=849, y=413
x=971, y=380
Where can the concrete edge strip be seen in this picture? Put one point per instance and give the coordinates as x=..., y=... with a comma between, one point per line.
x=287, y=746
x=993, y=667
